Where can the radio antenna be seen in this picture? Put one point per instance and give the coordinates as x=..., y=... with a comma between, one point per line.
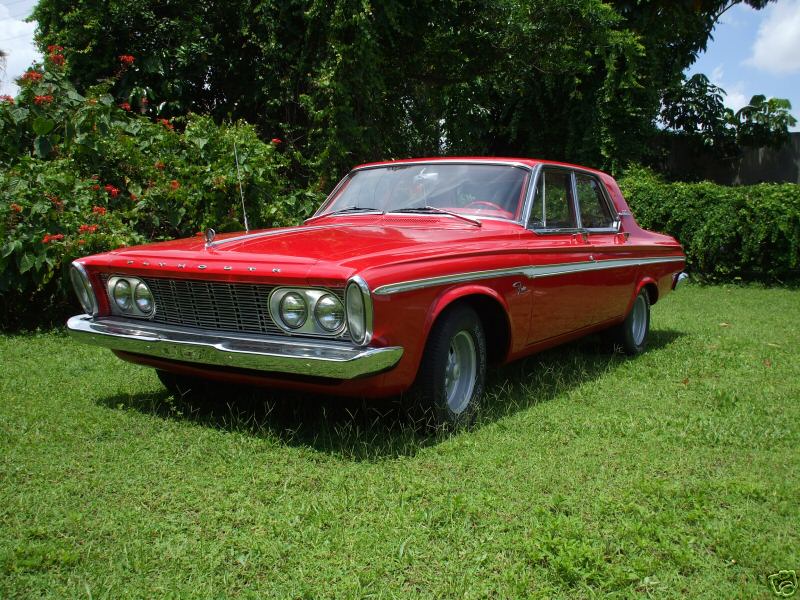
x=241, y=192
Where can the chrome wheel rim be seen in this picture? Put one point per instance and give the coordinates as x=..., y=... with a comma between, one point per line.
x=639, y=320
x=460, y=372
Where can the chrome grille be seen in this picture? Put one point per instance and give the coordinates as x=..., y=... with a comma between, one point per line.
x=215, y=305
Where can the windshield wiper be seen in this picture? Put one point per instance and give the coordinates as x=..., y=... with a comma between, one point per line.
x=435, y=209
x=349, y=209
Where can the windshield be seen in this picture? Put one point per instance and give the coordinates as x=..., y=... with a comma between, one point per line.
x=473, y=190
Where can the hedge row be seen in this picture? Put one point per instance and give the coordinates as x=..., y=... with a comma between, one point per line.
x=744, y=233
x=81, y=174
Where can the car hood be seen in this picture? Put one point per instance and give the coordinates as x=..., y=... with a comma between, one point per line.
x=344, y=245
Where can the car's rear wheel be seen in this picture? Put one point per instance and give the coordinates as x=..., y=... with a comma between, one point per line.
x=451, y=376
x=633, y=332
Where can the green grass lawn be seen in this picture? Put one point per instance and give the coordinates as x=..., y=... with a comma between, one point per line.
x=673, y=474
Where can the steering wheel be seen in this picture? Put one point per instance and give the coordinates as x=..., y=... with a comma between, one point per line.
x=479, y=204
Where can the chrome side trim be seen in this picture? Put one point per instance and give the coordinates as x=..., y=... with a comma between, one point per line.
x=532, y=272
x=261, y=353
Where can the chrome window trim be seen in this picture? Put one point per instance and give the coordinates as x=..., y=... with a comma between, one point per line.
x=531, y=272
x=616, y=221
x=543, y=168
x=574, y=171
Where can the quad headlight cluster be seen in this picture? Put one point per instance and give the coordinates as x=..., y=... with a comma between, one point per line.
x=319, y=312
x=307, y=311
x=130, y=296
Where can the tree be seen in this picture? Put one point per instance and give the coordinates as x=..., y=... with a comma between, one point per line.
x=348, y=80
x=696, y=111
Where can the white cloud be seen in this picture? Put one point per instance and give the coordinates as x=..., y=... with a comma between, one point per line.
x=777, y=45
x=736, y=97
x=16, y=39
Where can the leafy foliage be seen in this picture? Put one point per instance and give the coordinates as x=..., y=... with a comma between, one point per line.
x=81, y=174
x=728, y=233
x=696, y=109
x=347, y=81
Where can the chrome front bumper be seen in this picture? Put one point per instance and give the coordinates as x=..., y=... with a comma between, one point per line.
x=297, y=356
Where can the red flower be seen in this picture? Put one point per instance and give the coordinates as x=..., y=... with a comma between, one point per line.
x=134, y=197
x=87, y=228
x=15, y=207
x=56, y=202
x=174, y=184
x=52, y=238
x=57, y=59
x=81, y=242
x=31, y=76
x=95, y=187
x=54, y=48
x=166, y=123
x=112, y=191
x=126, y=59
x=47, y=99
x=276, y=141
x=159, y=165
x=125, y=106
x=99, y=210
x=7, y=99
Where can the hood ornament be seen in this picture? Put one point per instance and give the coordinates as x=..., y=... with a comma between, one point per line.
x=210, y=235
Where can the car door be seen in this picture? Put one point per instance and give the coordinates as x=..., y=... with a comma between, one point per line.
x=614, y=273
x=562, y=294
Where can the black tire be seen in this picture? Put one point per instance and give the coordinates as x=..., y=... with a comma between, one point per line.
x=631, y=335
x=184, y=387
x=448, y=395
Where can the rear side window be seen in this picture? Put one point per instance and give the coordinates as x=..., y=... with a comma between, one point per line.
x=552, y=205
x=595, y=213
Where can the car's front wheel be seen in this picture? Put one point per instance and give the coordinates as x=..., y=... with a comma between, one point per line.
x=451, y=376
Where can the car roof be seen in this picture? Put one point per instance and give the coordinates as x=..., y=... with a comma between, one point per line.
x=530, y=162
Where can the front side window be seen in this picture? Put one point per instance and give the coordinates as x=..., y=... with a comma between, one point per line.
x=595, y=213
x=473, y=190
x=552, y=204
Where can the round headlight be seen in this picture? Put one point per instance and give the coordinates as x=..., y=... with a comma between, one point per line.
x=329, y=312
x=83, y=290
x=356, y=315
x=294, y=310
x=122, y=294
x=143, y=298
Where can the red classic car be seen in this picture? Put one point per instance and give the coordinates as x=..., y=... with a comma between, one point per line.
x=412, y=276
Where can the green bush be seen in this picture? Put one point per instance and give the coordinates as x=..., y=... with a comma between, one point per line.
x=81, y=174
x=729, y=233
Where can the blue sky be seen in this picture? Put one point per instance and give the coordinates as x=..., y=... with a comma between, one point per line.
x=753, y=52
x=756, y=52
